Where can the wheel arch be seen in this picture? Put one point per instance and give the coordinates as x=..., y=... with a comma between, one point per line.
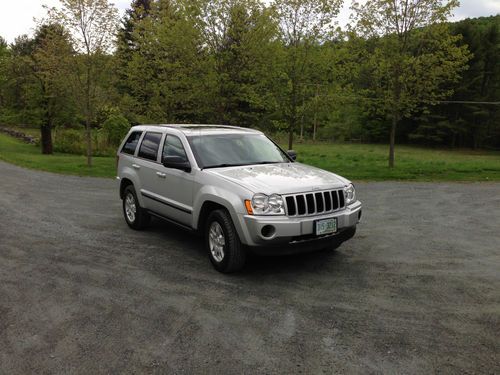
x=205, y=210
x=230, y=198
x=123, y=185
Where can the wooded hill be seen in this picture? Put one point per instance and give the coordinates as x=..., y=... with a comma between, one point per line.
x=280, y=67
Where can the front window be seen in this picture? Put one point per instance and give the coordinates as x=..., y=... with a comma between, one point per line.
x=173, y=147
x=225, y=150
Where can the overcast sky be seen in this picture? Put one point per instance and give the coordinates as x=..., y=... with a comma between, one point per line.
x=16, y=17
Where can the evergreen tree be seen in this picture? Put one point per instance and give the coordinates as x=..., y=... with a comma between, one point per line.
x=244, y=61
x=126, y=45
x=168, y=72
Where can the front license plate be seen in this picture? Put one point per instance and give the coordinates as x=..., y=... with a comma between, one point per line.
x=326, y=226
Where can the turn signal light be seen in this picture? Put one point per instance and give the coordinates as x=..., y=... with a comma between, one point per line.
x=248, y=205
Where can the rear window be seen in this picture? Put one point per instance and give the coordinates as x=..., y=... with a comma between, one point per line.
x=150, y=145
x=131, y=144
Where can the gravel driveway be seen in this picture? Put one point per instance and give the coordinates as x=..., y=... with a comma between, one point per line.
x=416, y=291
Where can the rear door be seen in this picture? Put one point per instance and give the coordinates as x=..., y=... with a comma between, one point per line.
x=146, y=164
x=174, y=187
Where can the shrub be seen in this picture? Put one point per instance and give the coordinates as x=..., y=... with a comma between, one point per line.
x=115, y=127
x=70, y=141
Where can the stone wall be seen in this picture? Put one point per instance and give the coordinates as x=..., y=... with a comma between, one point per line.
x=19, y=135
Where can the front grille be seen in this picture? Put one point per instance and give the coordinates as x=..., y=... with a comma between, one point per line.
x=320, y=202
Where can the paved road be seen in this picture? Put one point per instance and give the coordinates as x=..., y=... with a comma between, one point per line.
x=416, y=291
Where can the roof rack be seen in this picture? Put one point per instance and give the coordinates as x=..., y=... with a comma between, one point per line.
x=194, y=127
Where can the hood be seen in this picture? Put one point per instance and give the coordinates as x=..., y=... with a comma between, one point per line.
x=282, y=178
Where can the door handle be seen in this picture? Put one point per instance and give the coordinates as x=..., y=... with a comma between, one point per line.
x=135, y=166
x=161, y=175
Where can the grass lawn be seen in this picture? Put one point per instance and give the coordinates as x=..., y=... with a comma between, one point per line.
x=29, y=156
x=354, y=161
x=369, y=162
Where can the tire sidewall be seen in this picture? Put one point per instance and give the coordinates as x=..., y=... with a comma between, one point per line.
x=222, y=265
x=130, y=190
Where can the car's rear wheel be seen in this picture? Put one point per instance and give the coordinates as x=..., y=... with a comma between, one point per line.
x=136, y=217
x=222, y=242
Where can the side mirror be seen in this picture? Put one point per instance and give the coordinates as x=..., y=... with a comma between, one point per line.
x=292, y=154
x=176, y=162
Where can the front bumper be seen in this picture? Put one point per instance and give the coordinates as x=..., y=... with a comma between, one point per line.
x=291, y=230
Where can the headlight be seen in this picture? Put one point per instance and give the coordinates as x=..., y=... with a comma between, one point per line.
x=263, y=204
x=350, y=194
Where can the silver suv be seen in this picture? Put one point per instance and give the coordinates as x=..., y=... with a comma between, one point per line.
x=234, y=186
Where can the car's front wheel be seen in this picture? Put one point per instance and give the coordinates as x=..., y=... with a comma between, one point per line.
x=222, y=242
x=136, y=217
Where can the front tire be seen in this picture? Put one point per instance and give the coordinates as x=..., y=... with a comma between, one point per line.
x=223, y=244
x=136, y=217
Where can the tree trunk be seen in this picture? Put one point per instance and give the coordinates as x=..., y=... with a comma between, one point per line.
x=314, y=128
x=46, y=139
x=315, y=125
x=87, y=118
x=395, y=114
x=392, y=140
x=89, y=141
x=291, y=128
x=46, y=129
x=293, y=110
x=302, y=119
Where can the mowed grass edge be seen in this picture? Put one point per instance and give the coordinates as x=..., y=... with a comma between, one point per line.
x=354, y=161
x=369, y=162
x=30, y=156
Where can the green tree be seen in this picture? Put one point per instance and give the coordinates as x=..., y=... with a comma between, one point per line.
x=17, y=76
x=303, y=24
x=4, y=58
x=116, y=127
x=328, y=89
x=169, y=72
x=50, y=63
x=92, y=25
x=415, y=56
x=126, y=44
x=37, y=80
x=139, y=9
x=240, y=36
x=478, y=125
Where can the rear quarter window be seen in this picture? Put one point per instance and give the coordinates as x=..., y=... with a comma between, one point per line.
x=131, y=143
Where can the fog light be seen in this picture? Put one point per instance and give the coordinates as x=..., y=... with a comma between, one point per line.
x=268, y=231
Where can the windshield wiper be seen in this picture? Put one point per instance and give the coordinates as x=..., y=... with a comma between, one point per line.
x=223, y=165
x=269, y=162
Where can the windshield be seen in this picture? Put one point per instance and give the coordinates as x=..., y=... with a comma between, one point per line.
x=225, y=150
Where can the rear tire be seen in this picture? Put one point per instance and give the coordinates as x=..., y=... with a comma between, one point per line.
x=222, y=243
x=136, y=217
